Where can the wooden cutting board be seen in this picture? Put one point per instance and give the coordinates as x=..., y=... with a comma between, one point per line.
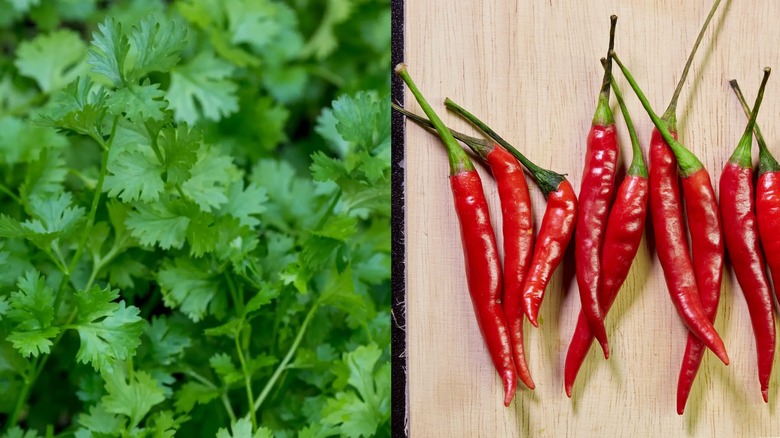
x=531, y=69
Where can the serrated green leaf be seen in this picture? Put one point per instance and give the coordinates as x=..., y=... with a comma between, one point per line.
x=80, y=107
x=157, y=45
x=210, y=178
x=132, y=397
x=193, y=393
x=101, y=421
x=53, y=60
x=245, y=203
x=138, y=102
x=45, y=175
x=109, y=331
x=156, y=224
x=188, y=285
x=53, y=215
x=167, y=340
x=109, y=51
x=21, y=142
x=204, y=82
x=134, y=175
x=180, y=146
x=223, y=365
x=243, y=429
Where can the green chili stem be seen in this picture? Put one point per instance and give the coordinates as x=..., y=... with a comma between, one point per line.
x=638, y=166
x=686, y=160
x=742, y=155
x=766, y=161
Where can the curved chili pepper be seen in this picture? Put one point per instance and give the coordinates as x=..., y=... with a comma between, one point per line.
x=557, y=226
x=623, y=235
x=670, y=234
x=483, y=267
x=598, y=180
x=741, y=232
x=517, y=228
x=767, y=199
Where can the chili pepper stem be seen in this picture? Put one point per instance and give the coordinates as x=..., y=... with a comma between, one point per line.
x=459, y=161
x=638, y=166
x=547, y=180
x=670, y=115
x=688, y=162
x=766, y=161
x=603, y=115
x=742, y=154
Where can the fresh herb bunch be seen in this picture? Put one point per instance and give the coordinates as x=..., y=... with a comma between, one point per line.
x=194, y=218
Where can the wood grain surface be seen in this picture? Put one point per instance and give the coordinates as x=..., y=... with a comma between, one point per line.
x=531, y=70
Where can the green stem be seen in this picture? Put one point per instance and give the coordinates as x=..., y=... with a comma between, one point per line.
x=481, y=147
x=69, y=271
x=208, y=383
x=459, y=161
x=638, y=166
x=22, y=397
x=742, y=155
x=287, y=358
x=329, y=212
x=670, y=115
x=603, y=115
x=11, y=194
x=232, y=287
x=686, y=160
x=547, y=180
x=247, y=382
x=766, y=162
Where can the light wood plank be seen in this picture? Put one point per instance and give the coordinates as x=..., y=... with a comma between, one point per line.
x=531, y=69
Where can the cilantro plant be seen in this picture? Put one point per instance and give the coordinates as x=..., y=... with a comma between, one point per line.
x=194, y=218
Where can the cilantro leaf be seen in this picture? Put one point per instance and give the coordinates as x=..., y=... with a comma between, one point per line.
x=109, y=50
x=109, y=331
x=99, y=420
x=180, y=145
x=210, y=176
x=157, y=224
x=245, y=203
x=194, y=393
x=168, y=340
x=243, y=429
x=188, y=285
x=157, y=46
x=134, y=175
x=137, y=102
x=324, y=41
x=53, y=215
x=80, y=107
x=132, y=397
x=360, y=414
x=53, y=60
x=204, y=81
x=24, y=143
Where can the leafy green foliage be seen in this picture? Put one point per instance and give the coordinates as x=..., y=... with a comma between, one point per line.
x=194, y=218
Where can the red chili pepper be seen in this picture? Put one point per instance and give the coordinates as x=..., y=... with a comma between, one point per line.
x=767, y=199
x=557, y=226
x=517, y=228
x=741, y=232
x=621, y=241
x=483, y=267
x=672, y=251
x=598, y=180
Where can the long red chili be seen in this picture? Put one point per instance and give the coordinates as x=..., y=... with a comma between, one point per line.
x=517, y=229
x=670, y=234
x=598, y=181
x=623, y=235
x=483, y=267
x=742, y=241
x=557, y=226
x=767, y=199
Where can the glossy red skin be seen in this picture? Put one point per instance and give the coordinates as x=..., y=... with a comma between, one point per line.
x=554, y=236
x=518, y=232
x=768, y=216
x=483, y=274
x=672, y=244
x=623, y=235
x=598, y=181
x=741, y=232
x=708, y=254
